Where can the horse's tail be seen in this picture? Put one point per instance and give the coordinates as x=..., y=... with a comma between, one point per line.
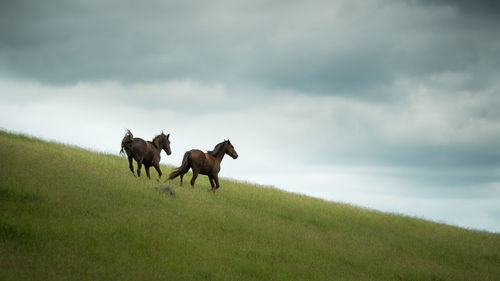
x=126, y=141
x=184, y=168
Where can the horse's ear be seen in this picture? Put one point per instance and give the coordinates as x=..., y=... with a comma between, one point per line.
x=168, y=136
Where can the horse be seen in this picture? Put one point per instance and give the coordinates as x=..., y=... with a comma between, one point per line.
x=205, y=163
x=145, y=152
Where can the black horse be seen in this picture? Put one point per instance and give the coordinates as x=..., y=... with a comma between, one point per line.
x=145, y=152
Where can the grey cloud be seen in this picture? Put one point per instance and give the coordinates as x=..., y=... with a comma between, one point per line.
x=470, y=7
x=431, y=156
x=435, y=131
x=319, y=47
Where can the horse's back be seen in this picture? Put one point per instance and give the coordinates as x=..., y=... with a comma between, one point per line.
x=197, y=155
x=205, y=163
x=136, y=147
x=138, y=140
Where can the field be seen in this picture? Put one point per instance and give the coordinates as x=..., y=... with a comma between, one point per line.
x=72, y=214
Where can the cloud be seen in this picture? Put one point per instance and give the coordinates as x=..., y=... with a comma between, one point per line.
x=425, y=128
x=477, y=9
x=324, y=47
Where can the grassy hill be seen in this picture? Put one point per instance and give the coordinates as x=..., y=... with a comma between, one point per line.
x=70, y=214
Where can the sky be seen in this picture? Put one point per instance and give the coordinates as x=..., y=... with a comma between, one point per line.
x=385, y=104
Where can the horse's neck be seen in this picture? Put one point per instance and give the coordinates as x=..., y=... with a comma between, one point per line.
x=152, y=146
x=218, y=156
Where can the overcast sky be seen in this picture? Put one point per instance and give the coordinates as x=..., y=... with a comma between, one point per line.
x=392, y=105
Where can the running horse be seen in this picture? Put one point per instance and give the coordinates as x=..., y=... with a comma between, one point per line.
x=205, y=163
x=145, y=152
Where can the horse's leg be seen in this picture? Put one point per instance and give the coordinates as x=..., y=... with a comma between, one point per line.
x=216, y=178
x=212, y=184
x=157, y=167
x=195, y=175
x=139, y=166
x=130, y=165
x=211, y=181
x=146, y=167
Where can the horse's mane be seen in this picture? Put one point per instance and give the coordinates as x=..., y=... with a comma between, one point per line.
x=217, y=149
x=156, y=141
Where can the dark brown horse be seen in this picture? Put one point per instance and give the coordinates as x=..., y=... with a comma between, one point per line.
x=145, y=152
x=205, y=163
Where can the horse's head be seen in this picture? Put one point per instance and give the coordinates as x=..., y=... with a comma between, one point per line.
x=163, y=142
x=229, y=149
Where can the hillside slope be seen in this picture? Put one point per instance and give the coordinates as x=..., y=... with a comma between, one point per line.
x=70, y=214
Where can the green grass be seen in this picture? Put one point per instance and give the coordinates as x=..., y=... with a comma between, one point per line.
x=70, y=214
